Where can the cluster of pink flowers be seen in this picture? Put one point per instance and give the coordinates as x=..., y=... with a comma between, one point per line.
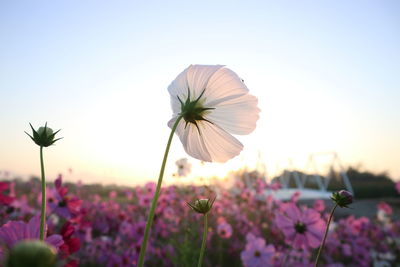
x=247, y=227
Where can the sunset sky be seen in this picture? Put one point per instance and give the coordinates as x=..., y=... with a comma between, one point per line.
x=326, y=73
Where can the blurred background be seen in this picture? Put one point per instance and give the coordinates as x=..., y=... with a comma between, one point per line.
x=326, y=75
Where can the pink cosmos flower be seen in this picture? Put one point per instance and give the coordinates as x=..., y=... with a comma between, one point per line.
x=61, y=203
x=302, y=229
x=21, y=204
x=384, y=212
x=144, y=200
x=319, y=205
x=112, y=195
x=224, y=230
x=352, y=226
x=129, y=194
x=383, y=206
x=150, y=188
x=5, y=199
x=14, y=231
x=295, y=197
x=71, y=244
x=275, y=186
x=256, y=253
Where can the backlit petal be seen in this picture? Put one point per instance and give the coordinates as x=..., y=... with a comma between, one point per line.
x=221, y=145
x=222, y=86
x=198, y=77
x=192, y=142
x=195, y=78
x=229, y=109
x=237, y=115
x=179, y=85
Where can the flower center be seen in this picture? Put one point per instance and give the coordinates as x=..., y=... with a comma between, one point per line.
x=62, y=203
x=257, y=254
x=193, y=111
x=300, y=227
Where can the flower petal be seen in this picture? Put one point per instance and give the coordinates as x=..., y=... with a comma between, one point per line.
x=32, y=229
x=224, y=85
x=313, y=240
x=195, y=78
x=192, y=142
x=198, y=77
x=12, y=232
x=235, y=110
x=293, y=212
x=230, y=109
x=237, y=116
x=178, y=88
x=221, y=145
x=55, y=240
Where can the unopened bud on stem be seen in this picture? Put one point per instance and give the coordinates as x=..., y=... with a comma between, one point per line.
x=44, y=136
x=32, y=253
x=342, y=198
x=202, y=206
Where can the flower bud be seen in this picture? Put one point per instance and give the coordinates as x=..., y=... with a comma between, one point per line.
x=32, y=253
x=44, y=136
x=342, y=198
x=45, y=131
x=202, y=206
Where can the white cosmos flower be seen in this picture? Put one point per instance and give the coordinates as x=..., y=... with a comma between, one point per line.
x=184, y=167
x=214, y=103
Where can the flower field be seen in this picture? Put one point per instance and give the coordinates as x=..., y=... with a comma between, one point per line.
x=246, y=226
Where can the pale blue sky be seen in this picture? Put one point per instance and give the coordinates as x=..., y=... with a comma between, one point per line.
x=326, y=75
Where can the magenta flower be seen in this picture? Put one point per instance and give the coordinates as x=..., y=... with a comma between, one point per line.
x=113, y=194
x=128, y=194
x=256, y=253
x=319, y=205
x=383, y=206
x=62, y=204
x=14, y=231
x=224, y=230
x=71, y=244
x=295, y=197
x=144, y=200
x=150, y=188
x=302, y=229
x=5, y=199
x=275, y=186
x=384, y=212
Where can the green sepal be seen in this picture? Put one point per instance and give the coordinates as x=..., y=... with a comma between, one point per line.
x=202, y=206
x=44, y=139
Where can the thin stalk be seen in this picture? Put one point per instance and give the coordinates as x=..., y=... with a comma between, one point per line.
x=326, y=234
x=43, y=210
x=203, y=243
x=155, y=198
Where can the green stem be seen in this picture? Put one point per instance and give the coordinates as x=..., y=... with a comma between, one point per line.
x=43, y=211
x=155, y=198
x=326, y=234
x=203, y=243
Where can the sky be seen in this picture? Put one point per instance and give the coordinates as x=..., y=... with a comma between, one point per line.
x=326, y=74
